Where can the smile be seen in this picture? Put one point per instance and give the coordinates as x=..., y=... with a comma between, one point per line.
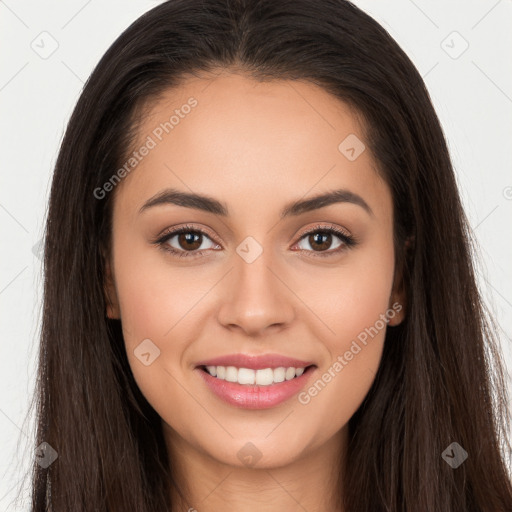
x=248, y=376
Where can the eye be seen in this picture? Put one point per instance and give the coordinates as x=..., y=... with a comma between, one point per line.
x=321, y=238
x=187, y=239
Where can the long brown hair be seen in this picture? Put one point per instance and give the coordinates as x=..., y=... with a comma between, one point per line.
x=440, y=379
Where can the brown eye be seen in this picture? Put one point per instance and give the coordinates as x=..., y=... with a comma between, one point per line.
x=189, y=241
x=320, y=240
x=186, y=241
x=323, y=240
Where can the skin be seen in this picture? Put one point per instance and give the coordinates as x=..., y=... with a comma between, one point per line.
x=242, y=140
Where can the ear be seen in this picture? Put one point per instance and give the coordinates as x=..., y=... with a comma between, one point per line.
x=398, y=298
x=110, y=292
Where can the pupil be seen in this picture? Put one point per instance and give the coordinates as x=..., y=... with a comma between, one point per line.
x=322, y=236
x=189, y=239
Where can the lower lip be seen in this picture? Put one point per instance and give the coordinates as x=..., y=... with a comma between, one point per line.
x=255, y=397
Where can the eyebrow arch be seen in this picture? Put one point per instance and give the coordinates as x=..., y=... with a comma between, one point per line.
x=211, y=205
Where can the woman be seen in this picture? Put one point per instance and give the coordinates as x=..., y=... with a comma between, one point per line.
x=259, y=292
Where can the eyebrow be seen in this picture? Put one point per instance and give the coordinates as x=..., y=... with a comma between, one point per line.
x=211, y=205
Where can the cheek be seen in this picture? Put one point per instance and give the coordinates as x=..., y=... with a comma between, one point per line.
x=163, y=304
x=352, y=296
x=153, y=310
x=153, y=297
x=151, y=305
x=341, y=385
x=355, y=306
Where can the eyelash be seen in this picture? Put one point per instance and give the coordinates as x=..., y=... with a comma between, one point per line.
x=348, y=241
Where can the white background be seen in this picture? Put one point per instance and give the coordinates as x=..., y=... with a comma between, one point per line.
x=471, y=93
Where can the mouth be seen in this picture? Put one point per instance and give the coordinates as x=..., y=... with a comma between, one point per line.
x=271, y=381
x=251, y=377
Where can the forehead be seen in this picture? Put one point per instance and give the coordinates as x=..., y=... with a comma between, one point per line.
x=249, y=142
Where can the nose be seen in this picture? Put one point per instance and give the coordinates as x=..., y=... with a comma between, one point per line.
x=256, y=298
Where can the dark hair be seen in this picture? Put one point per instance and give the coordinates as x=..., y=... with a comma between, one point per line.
x=440, y=379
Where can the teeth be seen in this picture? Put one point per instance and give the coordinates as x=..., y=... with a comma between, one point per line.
x=246, y=376
x=279, y=374
x=265, y=377
x=231, y=374
x=289, y=374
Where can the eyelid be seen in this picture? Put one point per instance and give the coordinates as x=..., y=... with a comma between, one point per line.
x=316, y=227
x=186, y=227
x=325, y=226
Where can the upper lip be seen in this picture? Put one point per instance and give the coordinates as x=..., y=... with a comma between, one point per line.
x=256, y=362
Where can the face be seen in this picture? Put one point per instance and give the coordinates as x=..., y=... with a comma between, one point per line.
x=284, y=299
